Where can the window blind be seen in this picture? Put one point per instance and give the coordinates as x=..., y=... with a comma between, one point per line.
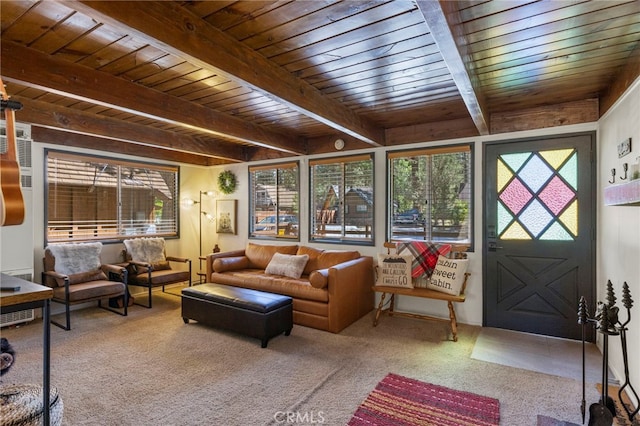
x=96, y=198
x=342, y=199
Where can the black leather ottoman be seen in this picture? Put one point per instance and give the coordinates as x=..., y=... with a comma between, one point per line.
x=242, y=310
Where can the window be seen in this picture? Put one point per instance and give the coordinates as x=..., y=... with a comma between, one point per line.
x=431, y=191
x=98, y=198
x=274, y=201
x=342, y=199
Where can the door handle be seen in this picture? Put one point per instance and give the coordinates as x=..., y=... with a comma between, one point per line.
x=493, y=246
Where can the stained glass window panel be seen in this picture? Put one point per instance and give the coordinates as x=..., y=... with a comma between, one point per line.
x=535, y=218
x=504, y=218
x=570, y=171
x=515, y=196
x=535, y=173
x=556, y=195
x=556, y=232
x=515, y=232
x=537, y=195
x=515, y=161
x=504, y=175
x=570, y=218
x=556, y=157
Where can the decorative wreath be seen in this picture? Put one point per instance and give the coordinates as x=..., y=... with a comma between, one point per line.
x=227, y=182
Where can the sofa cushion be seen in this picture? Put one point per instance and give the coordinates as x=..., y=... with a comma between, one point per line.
x=260, y=255
x=287, y=265
x=223, y=264
x=312, y=263
x=258, y=280
x=329, y=258
x=319, y=278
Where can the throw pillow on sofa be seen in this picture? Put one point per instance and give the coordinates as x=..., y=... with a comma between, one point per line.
x=287, y=265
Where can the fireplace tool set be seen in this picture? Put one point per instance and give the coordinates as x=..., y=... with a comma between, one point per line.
x=606, y=322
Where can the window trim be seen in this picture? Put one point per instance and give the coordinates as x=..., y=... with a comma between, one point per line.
x=89, y=157
x=432, y=150
x=342, y=160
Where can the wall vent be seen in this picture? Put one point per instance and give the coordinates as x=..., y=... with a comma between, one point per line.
x=18, y=317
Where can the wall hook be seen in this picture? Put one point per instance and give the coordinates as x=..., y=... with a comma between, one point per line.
x=625, y=167
x=613, y=176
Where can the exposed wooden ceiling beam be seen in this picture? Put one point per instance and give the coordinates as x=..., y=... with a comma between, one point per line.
x=58, y=117
x=622, y=81
x=440, y=17
x=35, y=69
x=181, y=33
x=59, y=137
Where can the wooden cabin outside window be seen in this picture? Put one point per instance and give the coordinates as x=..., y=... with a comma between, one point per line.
x=91, y=198
x=342, y=193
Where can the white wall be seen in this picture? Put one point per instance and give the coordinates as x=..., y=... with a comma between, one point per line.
x=618, y=243
x=469, y=312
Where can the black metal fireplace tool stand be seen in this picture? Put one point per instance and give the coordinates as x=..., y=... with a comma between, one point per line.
x=606, y=322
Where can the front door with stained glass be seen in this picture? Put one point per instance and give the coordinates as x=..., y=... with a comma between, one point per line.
x=539, y=246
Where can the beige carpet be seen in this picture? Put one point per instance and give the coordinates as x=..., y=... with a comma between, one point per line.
x=150, y=368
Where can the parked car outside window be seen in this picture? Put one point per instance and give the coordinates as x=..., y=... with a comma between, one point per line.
x=409, y=217
x=269, y=223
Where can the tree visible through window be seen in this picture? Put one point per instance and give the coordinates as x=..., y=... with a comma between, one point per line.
x=98, y=198
x=431, y=193
x=274, y=201
x=342, y=199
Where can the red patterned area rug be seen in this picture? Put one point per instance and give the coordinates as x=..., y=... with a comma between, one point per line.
x=400, y=401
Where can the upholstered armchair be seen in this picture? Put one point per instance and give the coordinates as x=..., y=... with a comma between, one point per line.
x=77, y=275
x=149, y=266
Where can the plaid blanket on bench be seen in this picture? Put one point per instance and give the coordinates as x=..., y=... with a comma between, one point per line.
x=425, y=256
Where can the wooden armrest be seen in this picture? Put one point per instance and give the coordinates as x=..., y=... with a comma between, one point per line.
x=178, y=259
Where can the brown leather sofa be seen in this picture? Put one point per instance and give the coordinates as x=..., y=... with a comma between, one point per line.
x=334, y=290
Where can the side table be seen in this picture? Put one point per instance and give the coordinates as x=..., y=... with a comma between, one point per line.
x=31, y=296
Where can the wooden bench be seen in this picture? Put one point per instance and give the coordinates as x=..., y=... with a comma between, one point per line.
x=457, y=251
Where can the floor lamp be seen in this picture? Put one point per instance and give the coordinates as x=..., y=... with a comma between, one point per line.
x=209, y=217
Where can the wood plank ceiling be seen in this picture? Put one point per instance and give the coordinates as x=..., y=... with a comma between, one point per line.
x=216, y=82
